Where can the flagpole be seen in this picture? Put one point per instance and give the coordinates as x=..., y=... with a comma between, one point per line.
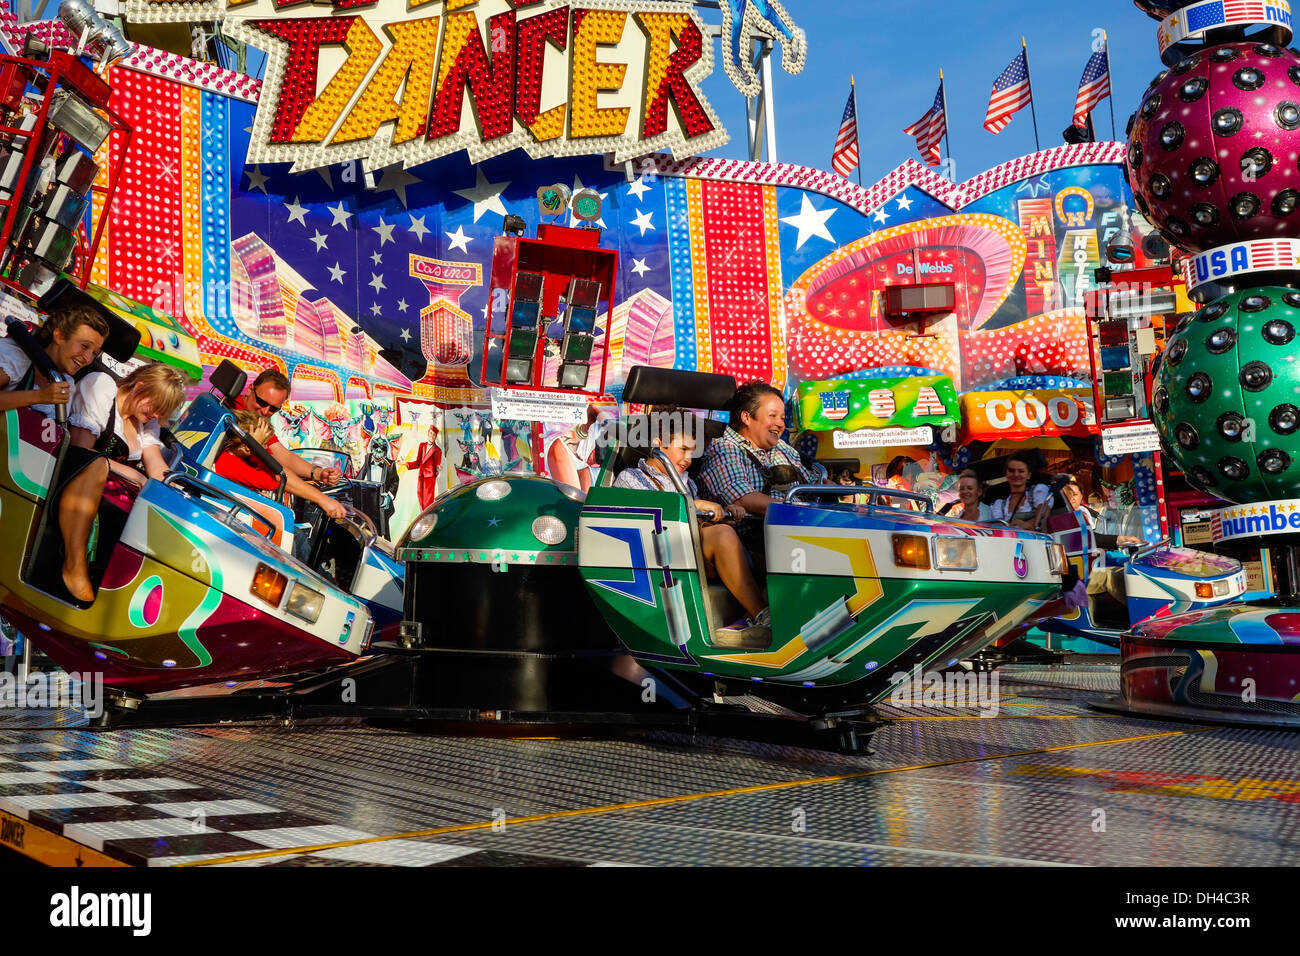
x=857, y=126
x=947, y=137
x=1110, y=99
x=1033, y=114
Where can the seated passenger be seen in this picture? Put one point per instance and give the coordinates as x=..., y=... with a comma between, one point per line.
x=968, y=505
x=233, y=462
x=265, y=398
x=71, y=338
x=724, y=558
x=750, y=458
x=122, y=423
x=1074, y=498
x=1027, y=504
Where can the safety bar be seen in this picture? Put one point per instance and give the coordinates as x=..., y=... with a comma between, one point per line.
x=177, y=479
x=1149, y=547
x=873, y=492
x=673, y=475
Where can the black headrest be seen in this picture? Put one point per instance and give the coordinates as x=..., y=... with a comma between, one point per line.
x=228, y=379
x=671, y=386
x=123, y=337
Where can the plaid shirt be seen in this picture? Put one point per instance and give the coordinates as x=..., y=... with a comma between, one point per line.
x=729, y=473
x=646, y=477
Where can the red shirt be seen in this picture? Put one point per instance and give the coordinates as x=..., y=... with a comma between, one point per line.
x=238, y=404
x=247, y=473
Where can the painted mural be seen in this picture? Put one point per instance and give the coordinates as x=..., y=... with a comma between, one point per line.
x=369, y=287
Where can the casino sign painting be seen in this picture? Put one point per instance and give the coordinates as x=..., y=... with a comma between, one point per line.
x=341, y=230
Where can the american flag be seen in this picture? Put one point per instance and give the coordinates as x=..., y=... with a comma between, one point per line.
x=1272, y=254
x=1205, y=15
x=930, y=129
x=844, y=159
x=1010, y=93
x=1093, y=87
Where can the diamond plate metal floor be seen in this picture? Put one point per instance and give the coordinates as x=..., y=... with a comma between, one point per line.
x=1046, y=781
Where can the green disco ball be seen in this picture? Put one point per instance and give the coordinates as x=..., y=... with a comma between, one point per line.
x=1227, y=396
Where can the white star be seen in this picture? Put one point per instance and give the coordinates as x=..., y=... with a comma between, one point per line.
x=319, y=239
x=375, y=310
x=881, y=216
x=376, y=282
x=459, y=240
x=397, y=179
x=385, y=230
x=642, y=221
x=296, y=211
x=256, y=180
x=340, y=214
x=639, y=267
x=810, y=222
x=418, y=227
x=904, y=202
x=639, y=188
x=337, y=274
x=376, y=258
x=406, y=335
x=401, y=305
x=484, y=195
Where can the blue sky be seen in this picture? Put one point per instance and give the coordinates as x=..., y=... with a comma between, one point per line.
x=895, y=50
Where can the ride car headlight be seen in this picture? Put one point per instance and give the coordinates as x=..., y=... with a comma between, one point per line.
x=572, y=493
x=269, y=584
x=955, y=554
x=493, y=490
x=1204, y=589
x=1220, y=588
x=305, y=603
x=912, y=551
x=422, y=527
x=1056, y=559
x=549, y=529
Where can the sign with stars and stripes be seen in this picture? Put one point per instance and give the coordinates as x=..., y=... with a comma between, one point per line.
x=1239, y=258
x=1191, y=22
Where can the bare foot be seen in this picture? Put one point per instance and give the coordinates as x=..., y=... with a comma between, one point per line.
x=78, y=584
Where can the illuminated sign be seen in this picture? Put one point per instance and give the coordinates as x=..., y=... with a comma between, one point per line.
x=375, y=81
x=998, y=416
x=876, y=403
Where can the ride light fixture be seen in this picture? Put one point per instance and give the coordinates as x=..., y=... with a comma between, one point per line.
x=269, y=584
x=549, y=529
x=912, y=551
x=305, y=603
x=493, y=490
x=955, y=554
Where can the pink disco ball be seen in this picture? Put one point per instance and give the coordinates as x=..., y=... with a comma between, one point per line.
x=1212, y=149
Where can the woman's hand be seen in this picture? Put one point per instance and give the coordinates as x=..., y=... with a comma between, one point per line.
x=53, y=393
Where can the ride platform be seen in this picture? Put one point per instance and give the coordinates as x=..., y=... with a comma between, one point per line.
x=1047, y=781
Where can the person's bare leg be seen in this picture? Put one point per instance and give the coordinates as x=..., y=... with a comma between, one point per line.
x=78, y=506
x=722, y=549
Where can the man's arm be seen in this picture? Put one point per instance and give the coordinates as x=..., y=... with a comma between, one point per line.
x=300, y=467
x=755, y=503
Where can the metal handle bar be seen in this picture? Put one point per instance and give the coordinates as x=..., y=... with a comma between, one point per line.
x=176, y=479
x=874, y=494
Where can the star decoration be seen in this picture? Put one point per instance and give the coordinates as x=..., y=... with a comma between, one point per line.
x=319, y=239
x=376, y=282
x=418, y=227
x=639, y=267
x=642, y=221
x=341, y=215
x=406, y=335
x=296, y=211
x=396, y=179
x=401, y=305
x=904, y=202
x=385, y=230
x=375, y=310
x=881, y=216
x=377, y=258
x=459, y=240
x=639, y=188
x=494, y=521
x=256, y=179
x=485, y=196
x=337, y=274
x=810, y=222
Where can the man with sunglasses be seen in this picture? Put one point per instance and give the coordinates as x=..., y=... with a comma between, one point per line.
x=265, y=398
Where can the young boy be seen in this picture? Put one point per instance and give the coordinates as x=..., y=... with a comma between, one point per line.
x=724, y=557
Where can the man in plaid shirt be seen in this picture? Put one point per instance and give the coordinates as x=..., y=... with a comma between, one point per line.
x=750, y=457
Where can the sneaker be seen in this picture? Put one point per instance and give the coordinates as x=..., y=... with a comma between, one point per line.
x=746, y=634
x=762, y=619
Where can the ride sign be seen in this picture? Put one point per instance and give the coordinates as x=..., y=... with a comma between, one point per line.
x=1257, y=519
x=912, y=403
